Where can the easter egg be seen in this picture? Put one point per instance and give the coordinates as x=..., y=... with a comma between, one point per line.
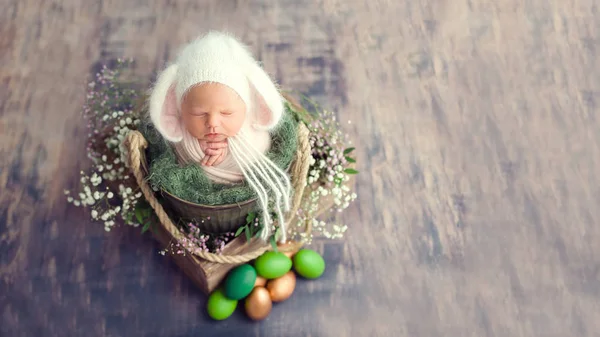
x=258, y=304
x=272, y=265
x=260, y=281
x=220, y=307
x=240, y=281
x=281, y=288
x=309, y=264
x=288, y=249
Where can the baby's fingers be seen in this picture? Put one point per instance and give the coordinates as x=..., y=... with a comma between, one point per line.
x=221, y=158
x=212, y=160
x=212, y=152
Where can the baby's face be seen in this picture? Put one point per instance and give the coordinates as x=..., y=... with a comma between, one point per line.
x=213, y=112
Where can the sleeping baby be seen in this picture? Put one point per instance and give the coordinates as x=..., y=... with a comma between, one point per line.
x=216, y=106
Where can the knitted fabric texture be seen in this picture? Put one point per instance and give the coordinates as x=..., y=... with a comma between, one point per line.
x=190, y=183
x=211, y=59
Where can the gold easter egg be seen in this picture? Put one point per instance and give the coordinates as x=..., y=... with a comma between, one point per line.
x=288, y=249
x=260, y=281
x=280, y=289
x=258, y=304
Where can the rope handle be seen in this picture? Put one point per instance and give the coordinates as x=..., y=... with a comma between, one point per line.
x=136, y=144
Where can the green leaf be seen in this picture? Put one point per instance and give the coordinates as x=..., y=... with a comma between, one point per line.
x=139, y=216
x=250, y=217
x=350, y=171
x=239, y=231
x=348, y=150
x=350, y=159
x=146, y=226
x=248, y=234
x=274, y=244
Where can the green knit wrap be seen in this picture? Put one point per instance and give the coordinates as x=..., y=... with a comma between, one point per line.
x=190, y=183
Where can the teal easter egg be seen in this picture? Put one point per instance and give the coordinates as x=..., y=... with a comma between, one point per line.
x=309, y=264
x=272, y=265
x=220, y=307
x=240, y=282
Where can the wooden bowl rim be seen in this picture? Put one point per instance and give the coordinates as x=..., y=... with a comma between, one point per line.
x=211, y=207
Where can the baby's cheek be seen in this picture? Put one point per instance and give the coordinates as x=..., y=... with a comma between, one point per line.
x=195, y=130
x=234, y=123
x=237, y=127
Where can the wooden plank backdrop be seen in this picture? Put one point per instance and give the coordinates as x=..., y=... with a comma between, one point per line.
x=475, y=124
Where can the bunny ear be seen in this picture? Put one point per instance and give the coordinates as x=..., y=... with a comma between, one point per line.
x=163, y=106
x=268, y=102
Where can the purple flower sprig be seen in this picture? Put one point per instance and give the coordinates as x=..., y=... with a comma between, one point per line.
x=329, y=152
x=195, y=241
x=107, y=188
x=328, y=176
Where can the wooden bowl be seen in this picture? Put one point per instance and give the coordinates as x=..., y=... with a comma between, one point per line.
x=211, y=219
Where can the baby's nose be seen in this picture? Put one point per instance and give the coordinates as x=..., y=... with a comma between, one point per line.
x=213, y=120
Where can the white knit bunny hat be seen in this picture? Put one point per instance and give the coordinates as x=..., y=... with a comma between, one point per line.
x=218, y=58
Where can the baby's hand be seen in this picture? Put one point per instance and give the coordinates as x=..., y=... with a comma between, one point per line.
x=215, y=152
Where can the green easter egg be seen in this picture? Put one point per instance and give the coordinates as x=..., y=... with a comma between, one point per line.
x=240, y=282
x=309, y=264
x=272, y=265
x=219, y=306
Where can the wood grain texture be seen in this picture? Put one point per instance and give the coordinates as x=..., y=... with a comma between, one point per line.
x=478, y=193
